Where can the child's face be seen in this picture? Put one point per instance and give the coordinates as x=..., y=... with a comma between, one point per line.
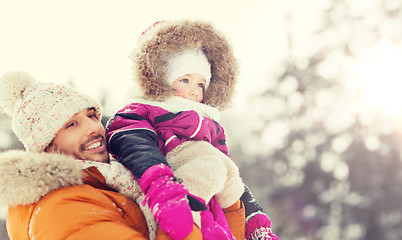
x=190, y=86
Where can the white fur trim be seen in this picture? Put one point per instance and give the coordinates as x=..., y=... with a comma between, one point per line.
x=187, y=62
x=176, y=104
x=26, y=177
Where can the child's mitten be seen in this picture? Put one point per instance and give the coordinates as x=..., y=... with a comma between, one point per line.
x=214, y=224
x=258, y=225
x=259, y=228
x=168, y=200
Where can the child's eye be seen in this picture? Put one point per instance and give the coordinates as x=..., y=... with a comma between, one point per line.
x=201, y=85
x=185, y=80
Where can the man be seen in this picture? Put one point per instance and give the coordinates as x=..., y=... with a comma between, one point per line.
x=49, y=193
x=52, y=194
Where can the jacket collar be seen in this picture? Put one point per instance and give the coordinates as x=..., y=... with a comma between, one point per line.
x=176, y=104
x=26, y=176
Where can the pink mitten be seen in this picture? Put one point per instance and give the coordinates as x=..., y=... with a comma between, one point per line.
x=214, y=224
x=259, y=227
x=168, y=200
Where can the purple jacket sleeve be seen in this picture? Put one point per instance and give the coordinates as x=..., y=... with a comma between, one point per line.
x=212, y=132
x=219, y=141
x=133, y=141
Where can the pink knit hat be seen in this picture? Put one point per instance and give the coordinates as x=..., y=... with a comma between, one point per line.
x=39, y=110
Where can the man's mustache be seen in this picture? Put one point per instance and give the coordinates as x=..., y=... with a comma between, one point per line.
x=93, y=138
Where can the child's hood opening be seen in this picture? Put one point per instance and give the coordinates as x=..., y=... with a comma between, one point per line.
x=167, y=38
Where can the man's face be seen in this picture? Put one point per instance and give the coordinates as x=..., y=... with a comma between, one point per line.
x=82, y=137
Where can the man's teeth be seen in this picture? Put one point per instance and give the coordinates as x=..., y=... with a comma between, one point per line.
x=92, y=146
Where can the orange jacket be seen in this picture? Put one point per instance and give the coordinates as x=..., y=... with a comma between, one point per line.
x=50, y=197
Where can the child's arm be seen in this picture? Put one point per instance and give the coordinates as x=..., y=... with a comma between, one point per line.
x=207, y=172
x=132, y=139
x=258, y=224
x=212, y=132
x=219, y=140
x=137, y=150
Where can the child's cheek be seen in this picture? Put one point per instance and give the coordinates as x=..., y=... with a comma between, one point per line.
x=179, y=93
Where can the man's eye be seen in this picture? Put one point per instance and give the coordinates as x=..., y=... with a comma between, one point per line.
x=92, y=114
x=72, y=124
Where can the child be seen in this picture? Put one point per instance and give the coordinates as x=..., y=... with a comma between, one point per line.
x=187, y=72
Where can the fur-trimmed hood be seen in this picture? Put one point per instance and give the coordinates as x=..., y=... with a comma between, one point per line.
x=165, y=38
x=26, y=176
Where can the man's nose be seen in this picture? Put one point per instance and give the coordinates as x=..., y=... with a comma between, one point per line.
x=94, y=127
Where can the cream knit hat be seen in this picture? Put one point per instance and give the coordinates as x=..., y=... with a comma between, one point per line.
x=38, y=109
x=186, y=62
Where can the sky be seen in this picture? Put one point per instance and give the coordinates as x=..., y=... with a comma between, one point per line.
x=88, y=42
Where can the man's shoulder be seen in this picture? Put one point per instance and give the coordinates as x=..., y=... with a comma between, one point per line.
x=76, y=207
x=28, y=176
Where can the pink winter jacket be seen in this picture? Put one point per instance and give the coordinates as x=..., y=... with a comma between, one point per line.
x=140, y=135
x=187, y=135
x=171, y=128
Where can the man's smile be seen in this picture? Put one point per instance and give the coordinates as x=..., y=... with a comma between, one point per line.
x=94, y=144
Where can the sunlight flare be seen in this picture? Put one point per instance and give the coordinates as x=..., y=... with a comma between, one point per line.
x=378, y=76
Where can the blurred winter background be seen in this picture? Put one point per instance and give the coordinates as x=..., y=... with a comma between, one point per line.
x=315, y=125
